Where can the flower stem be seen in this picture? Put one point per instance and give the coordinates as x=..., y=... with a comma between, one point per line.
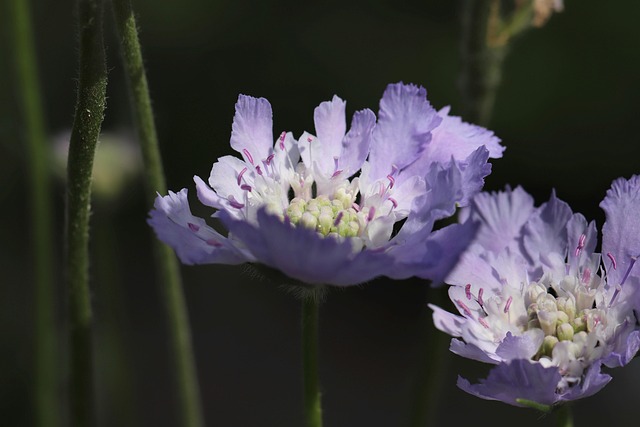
x=434, y=364
x=312, y=404
x=481, y=64
x=168, y=268
x=28, y=94
x=565, y=416
x=91, y=102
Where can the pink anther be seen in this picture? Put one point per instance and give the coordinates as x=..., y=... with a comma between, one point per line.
x=246, y=187
x=580, y=244
x=393, y=201
x=234, y=203
x=464, y=308
x=336, y=173
x=613, y=260
x=213, y=242
x=240, y=175
x=392, y=181
x=480, y=292
x=258, y=170
x=281, y=142
x=269, y=159
x=371, y=214
x=586, y=275
x=467, y=290
x=355, y=206
x=483, y=322
x=508, y=304
x=248, y=155
x=309, y=139
x=193, y=227
x=338, y=218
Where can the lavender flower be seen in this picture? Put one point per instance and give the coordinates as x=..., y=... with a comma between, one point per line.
x=535, y=300
x=322, y=209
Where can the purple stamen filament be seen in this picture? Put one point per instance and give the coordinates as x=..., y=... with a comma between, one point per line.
x=624, y=279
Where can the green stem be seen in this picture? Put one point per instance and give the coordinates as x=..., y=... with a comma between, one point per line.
x=38, y=156
x=169, y=271
x=481, y=71
x=88, y=118
x=565, y=416
x=312, y=404
x=434, y=364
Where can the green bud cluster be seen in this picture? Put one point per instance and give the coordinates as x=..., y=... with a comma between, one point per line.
x=326, y=216
x=557, y=317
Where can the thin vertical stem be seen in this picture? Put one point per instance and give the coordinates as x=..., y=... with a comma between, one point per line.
x=91, y=103
x=312, y=398
x=168, y=268
x=28, y=93
x=565, y=416
x=481, y=71
x=434, y=363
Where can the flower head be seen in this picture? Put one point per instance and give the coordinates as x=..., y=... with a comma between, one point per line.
x=322, y=209
x=535, y=300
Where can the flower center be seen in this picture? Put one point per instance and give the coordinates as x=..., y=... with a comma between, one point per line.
x=334, y=216
x=566, y=318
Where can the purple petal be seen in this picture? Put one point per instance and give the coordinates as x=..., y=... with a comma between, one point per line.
x=435, y=257
x=458, y=139
x=319, y=152
x=192, y=239
x=523, y=346
x=470, y=351
x=502, y=216
x=621, y=230
x=252, y=133
x=405, y=122
x=443, y=189
x=447, y=322
x=355, y=145
x=546, y=231
x=519, y=379
x=625, y=349
x=473, y=171
x=592, y=382
x=296, y=251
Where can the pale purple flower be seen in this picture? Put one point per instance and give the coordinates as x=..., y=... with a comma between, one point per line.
x=322, y=209
x=535, y=300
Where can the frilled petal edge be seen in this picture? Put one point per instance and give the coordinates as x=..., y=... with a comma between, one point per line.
x=518, y=379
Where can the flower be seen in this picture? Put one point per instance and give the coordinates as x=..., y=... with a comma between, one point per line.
x=535, y=300
x=322, y=209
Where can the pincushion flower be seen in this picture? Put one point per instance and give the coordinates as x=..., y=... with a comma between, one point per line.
x=322, y=209
x=537, y=301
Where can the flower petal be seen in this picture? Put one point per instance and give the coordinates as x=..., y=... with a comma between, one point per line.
x=502, y=215
x=546, y=231
x=523, y=346
x=298, y=252
x=252, y=130
x=192, y=239
x=518, y=379
x=405, y=122
x=459, y=139
x=592, y=382
x=621, y=230
x=356, y=143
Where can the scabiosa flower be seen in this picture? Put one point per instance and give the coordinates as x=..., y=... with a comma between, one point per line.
x=322, y=209
x=535, y=300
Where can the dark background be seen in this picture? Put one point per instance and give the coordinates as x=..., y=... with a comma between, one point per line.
x=566, y=111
